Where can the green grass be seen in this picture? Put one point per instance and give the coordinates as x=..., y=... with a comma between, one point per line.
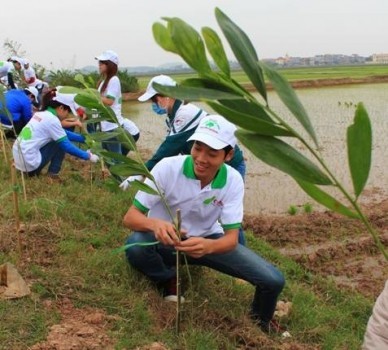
x=303, y=73
x=71, y=232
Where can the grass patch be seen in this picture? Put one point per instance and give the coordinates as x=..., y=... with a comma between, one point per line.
x=71, y=230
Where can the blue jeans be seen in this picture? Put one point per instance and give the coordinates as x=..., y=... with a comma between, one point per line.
x=112, y=144
x=52, y=153
x=241, y=168
x=157, y=263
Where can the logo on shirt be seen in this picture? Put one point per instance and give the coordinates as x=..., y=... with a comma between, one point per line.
x=26, y=134
x=213, y=200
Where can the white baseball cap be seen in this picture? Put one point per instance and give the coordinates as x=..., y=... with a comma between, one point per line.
x=108, y=55
x=66, y=99
x=164, y=80
x=216, y=132
x=33, y=91
x=17, y=59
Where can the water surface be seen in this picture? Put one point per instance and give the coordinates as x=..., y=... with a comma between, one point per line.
x=331, y=111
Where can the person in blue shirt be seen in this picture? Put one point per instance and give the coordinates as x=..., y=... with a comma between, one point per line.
x=19, y=104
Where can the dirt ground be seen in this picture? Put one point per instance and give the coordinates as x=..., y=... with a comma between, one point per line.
x=331, y=245
x=325, y=243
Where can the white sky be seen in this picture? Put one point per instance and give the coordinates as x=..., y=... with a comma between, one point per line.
x=70, y=33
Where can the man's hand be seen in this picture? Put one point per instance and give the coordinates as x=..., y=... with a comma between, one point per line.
x=127, y=182
x=164, y=232
x=195, y=247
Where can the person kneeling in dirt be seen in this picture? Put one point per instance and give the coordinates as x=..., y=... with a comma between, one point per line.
x=43, y=140
x=208, y=192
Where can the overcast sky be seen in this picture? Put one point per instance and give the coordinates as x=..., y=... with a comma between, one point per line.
x=70, y=33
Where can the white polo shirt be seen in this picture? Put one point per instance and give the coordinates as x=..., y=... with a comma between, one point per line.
x=43, y=128
x=113, y=91
x=212, y=209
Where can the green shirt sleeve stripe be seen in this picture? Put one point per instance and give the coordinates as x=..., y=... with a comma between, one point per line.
x=140, y=206
x=61, y=139
x=231, y=226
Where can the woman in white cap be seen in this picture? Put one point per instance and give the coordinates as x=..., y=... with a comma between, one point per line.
x=31, y=79
x=110, y=89
x=43, y=140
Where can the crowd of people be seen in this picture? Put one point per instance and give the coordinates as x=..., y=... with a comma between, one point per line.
x=199, y=168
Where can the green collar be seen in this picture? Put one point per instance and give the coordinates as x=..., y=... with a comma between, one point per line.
x=218, y=182
x=52, y=110
x=175, y=107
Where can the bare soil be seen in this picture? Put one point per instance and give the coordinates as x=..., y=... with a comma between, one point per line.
x=331, y=245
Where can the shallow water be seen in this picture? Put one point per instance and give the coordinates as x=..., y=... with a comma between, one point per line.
x=271, y=191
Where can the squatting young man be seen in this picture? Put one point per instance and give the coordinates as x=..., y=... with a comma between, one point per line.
x=209, y=194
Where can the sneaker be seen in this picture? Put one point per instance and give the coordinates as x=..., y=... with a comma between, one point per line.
x=271, y=327
x=169, y=291
x=54, y=178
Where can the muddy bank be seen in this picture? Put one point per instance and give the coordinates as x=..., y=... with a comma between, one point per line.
x=299, y=84
x=331, y=245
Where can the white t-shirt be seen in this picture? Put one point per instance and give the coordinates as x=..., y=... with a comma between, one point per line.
x=212, y=209
x=30, y=73
x=5, y=68
x=113, y=90
x=183, y=117
x=43, y=128
x=130, y=126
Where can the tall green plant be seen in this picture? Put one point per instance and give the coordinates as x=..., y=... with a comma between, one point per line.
x=123, y=166
x=261, y=129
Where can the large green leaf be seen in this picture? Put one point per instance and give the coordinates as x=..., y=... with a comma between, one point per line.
x=189, y=45
x=141, y=186
x=102, y=136
x=253, y=109
x=290, y=99
x=126, y=170
x=325, y=199
x=70, y=90
x=163, y=38
x=248, y=122
x=243, y=50
x=359, y=140
x=87, y=100
x=193, y=93
x=280, y=155
x=121, y=158
x=216, y=49
x=218, y=82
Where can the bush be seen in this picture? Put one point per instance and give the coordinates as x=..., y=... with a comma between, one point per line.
x=66, y=77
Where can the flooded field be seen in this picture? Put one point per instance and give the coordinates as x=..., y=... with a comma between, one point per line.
x=331, y=111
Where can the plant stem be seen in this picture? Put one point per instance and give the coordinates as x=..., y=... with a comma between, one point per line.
x=16, y=207
x=178, y=277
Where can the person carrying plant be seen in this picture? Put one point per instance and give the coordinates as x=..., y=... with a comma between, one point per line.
x=209, y=194
x=182, y=120
x=43, y=140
